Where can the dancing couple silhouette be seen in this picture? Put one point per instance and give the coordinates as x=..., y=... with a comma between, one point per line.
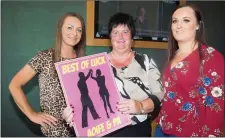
x=85, y=98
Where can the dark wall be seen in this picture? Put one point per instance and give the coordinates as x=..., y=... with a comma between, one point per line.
x=213, y=14
x=28, y=27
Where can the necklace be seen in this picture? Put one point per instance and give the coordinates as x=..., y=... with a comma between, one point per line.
x=116, y=57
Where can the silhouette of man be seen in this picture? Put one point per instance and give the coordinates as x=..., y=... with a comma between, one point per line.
x=85, y=99
x=103, y=91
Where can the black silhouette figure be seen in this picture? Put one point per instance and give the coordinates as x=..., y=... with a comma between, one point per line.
x=85, y=99
x=103, y=91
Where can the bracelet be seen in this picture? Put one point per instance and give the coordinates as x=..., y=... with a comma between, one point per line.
x=141, y=108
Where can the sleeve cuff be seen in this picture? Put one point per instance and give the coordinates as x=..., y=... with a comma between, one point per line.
x=157, y=106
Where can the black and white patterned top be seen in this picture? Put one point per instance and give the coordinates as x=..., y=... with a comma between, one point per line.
x=139, y=80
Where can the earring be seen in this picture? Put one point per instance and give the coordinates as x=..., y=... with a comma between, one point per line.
x=197, y=28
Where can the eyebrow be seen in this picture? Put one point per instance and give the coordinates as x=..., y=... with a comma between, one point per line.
x=183, y=17
x=73, y=26
x=187, y=17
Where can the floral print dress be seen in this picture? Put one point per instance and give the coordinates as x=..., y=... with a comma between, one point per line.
x=193, y=104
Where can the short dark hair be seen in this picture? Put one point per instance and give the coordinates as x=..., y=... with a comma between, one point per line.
x=121, y=19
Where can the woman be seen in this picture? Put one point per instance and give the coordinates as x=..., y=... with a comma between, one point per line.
x=69, y=44
x=193, y=80
x=137, y=79
x=103, y=91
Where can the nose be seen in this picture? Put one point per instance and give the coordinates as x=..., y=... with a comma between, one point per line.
x=73, y=33
x=121, y=35
x=179, y=24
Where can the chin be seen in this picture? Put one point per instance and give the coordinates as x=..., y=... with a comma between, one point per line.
x=179, y=38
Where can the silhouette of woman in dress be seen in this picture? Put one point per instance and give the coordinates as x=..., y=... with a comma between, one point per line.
x=103, y=91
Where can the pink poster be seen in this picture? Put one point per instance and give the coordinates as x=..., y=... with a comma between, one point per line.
x=88, y=84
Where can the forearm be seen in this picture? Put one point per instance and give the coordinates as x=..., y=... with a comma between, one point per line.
x=21, y=100
x=151, y=106
x=147, y=105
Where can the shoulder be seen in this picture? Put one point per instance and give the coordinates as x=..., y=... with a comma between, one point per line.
x=145, y=59
x=47, y=52
x=211, y=53
x=213, y=59
x=44, y=54
x=142, y=56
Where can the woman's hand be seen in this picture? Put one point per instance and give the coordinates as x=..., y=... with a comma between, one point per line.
x=43, y=119
x=129, y=106
x=68, y=115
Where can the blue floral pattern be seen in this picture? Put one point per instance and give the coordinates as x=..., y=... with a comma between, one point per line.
x=202, y=91
x=207, y=81
x=209, y=100
x=187, y=106
x=171, y=95
x=192, y=100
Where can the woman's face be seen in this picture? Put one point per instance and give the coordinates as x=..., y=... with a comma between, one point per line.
x=121, y=38
x=184, y=24
x=71, y=31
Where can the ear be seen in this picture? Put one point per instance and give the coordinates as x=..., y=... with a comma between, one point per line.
x=197, y=27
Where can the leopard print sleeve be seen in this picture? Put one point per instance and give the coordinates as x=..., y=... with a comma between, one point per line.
x=37, y=61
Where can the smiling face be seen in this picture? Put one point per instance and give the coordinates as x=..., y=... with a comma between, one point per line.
x=71, y=31
x=121, y=38
x=184, y=24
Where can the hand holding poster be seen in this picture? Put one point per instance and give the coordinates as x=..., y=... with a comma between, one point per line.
x=89, y=86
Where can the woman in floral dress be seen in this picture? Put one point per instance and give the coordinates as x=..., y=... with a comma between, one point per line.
x=193, y=81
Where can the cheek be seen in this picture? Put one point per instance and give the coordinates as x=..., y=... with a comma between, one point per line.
x=64, y=37
x=192, y=30
x=173, y=28
x=79, y=35
x=113, y=39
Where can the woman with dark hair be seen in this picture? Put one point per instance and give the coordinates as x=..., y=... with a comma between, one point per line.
x=193, y=80
x=137, y=78
x=70, y=42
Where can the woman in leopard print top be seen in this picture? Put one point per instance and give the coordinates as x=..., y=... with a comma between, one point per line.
x=70, y=42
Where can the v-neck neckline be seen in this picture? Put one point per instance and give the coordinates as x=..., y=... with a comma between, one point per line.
x=172, y=68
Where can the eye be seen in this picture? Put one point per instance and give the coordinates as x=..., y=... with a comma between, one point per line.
x=115, y=32
x=69, y=27
x=79, y=30
x=174, y=21
x=186, y=20
x=125, y=31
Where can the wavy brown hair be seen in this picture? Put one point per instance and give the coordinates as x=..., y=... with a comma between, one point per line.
x=79, y=48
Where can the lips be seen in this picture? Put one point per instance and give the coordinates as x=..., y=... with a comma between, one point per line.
x=121, y=41
x=179, y=31
x=73, y=38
